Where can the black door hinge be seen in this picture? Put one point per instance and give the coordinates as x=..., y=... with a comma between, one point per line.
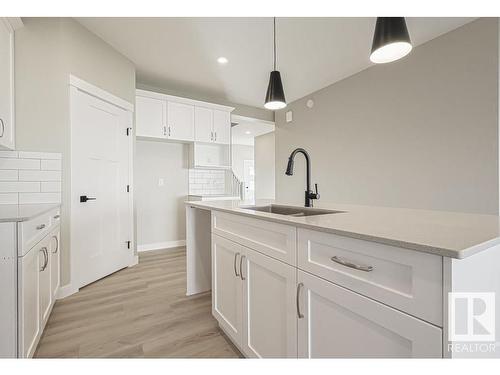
x=128, y=244
x=128, y=131
x=128, y=188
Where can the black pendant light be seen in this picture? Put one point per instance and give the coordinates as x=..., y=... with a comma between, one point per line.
x=275, y=96
x=391, y=40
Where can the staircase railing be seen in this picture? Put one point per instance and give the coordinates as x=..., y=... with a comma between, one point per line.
x=235, y=185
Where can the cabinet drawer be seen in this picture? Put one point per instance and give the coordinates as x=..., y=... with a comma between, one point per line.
x=273, y=239
x=407, y=280
x=32, y=231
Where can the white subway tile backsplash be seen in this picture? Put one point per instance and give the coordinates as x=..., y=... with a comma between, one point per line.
x=50, y=186
x=39, y=155
x=51, y=165
x=12, y=163
x=30, y=198
x=19, y=186
x=8, y=198
x=206, y=181
x=8, y=154
x=30, y=177
x=9, y=175
x=39, y=176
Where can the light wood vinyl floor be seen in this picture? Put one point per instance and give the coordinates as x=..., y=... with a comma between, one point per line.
x=140, y=311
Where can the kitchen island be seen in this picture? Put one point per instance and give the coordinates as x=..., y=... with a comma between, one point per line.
x=362, y=281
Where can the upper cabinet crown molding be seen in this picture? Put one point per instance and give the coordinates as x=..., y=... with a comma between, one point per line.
x=178, y=99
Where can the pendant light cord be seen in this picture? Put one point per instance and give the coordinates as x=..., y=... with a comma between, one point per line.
x=274, y=32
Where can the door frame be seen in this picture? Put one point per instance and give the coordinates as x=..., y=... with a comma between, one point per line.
x=77, y=85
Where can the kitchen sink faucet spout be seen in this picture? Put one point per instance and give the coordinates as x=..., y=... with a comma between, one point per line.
x=309, y=194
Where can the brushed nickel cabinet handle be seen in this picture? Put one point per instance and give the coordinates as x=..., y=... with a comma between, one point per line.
x=234, y=264
x=211, y=136
x=346, y=263
x=164, y=130
x=41, y=226
x=2, y=128
x=215, y=136
x=241, y=269
x=57, y=216
x=299, y=287
x=169, y=130
x=45, y=257
x=57, y=245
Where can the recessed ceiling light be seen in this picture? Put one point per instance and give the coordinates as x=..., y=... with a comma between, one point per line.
x=248, y=132
x=222, y=60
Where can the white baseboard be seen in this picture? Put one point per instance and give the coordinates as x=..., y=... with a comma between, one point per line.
x=66, y=290
x=135, y=261
x=161, y=245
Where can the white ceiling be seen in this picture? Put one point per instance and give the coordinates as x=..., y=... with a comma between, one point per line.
x=244, y=129
x=181, y=53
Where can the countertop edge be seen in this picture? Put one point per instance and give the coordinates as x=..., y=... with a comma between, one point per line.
x=444, y=252
x=19, y=219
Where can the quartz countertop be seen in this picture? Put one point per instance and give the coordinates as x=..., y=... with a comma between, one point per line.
x=24, y=212
x=448, y=234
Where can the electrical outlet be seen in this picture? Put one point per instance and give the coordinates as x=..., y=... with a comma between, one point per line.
x=161, y=182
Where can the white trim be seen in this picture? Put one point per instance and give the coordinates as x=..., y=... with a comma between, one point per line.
x=66, y=290
x=178, y=99
x=135, y=261
x=239, y=118
x=161, y=245
x=15, y=22
x=100, y=93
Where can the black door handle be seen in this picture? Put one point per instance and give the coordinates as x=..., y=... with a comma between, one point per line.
x=84, y=198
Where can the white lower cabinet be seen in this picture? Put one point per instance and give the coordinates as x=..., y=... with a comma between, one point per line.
x=29, y=302
x=337, y=323
x=252, y=299
x=38, y=272
x=269, y=314
x=277, y=299
x=54, y=263
x=227, y=287
x=44, y=289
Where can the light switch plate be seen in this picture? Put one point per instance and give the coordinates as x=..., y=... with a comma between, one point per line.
x=289, y=116
x=161, y=182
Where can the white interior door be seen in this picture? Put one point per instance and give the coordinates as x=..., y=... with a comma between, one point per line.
x=249, y=179
x=101, y=209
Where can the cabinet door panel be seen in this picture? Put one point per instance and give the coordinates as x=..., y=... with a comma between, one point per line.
x=44, y=280
x=269, y=315
x=29, y=305
x=222, y=126
x=203, y=124
x=227, y=287
x=6, y=85
x=338, y=323
x=54, y=264
x=180, y=121
x=150, y=117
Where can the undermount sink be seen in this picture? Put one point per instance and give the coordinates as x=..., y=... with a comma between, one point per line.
x=291, y=210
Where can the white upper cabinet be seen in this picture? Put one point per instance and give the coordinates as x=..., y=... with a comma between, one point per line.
x=180, y=121
x=203, y=120
x=150, y=117
x=222, y=127
x=7, y=140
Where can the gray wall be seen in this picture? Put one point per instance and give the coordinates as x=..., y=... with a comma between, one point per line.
x=239, y=109
x=47, y=51
x=421, y=132
x=160, y=209
x=264, y=168
x=239, y=154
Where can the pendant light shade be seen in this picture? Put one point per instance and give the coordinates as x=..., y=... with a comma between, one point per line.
x=391, y=40
x=275, y=96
